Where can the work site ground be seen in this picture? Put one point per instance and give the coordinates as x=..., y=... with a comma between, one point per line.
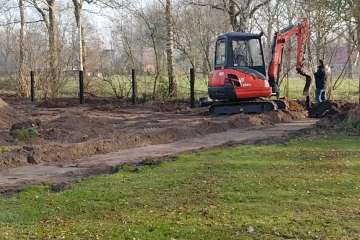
x=278, y=175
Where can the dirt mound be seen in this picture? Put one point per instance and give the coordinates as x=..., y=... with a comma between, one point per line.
x=167, y=106
x=68, y=131
x=354, y=115
x=353, y=118
x=76, y=127
x=74, y=135
x=330, y=108
x=336, y=114
x=296, y=106
x=58, y=103
x=8, y=115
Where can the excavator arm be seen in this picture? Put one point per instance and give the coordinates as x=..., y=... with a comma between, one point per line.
x=301, y=30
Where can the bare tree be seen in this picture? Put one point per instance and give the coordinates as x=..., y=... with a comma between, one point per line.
x=78, y=5
x=47, y=11
x=153, y=30
x=170, y=48
x=240, y=12
x=22, y=85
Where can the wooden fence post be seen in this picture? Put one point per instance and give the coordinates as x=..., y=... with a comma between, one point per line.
x=32, y=86
x=81, y=87
x=134, y=87
x=192, y=88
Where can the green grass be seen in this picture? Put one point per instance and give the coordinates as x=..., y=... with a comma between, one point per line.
x=347, y=90
x=25, y=134
x=308, y=189
x=145, y=87
x=4, y=149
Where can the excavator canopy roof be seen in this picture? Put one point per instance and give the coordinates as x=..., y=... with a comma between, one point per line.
x=240, y=35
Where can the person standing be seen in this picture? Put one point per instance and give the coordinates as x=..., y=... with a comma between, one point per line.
x=320, y=82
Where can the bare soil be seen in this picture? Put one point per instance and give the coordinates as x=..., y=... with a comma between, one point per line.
x=68, y=131
x=60, y=175
x=336, y=114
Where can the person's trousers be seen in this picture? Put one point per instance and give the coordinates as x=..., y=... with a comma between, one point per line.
x=320, y=95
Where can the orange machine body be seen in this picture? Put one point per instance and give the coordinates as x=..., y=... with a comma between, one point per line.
x=239, y=68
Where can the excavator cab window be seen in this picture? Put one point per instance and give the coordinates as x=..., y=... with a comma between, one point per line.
x=220, y=53
x=240, y=51
x=247, y=53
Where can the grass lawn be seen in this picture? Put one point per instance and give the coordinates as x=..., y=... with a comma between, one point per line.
x=307, y=189
x=348, y=89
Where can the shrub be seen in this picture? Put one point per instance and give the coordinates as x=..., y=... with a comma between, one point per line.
x=25, y=134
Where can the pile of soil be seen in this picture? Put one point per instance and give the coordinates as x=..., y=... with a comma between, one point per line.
x=7, y=115
x=336, y=114
x=73, y=102
x=68, y=131
x=79, y=132
x=354, y=115
x=296, y=106
x=330, y=108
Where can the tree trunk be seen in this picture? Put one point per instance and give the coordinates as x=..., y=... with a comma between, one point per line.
x=356, y=14
x=53, y=51
x=358, y=45
x=82, y=43
x=169, y=50
x=269, y=33
x=157, y=66
x=22, y=85
x=349, y=52
x=232, y=15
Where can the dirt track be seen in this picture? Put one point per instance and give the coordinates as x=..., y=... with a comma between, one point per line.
x=68, y=132
x=60, y=174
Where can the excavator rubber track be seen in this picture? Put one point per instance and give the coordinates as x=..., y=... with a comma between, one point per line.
x=249, y=107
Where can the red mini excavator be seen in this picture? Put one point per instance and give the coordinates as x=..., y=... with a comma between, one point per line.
x=240, y=82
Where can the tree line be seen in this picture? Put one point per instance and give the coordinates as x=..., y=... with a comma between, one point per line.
x=169, y=35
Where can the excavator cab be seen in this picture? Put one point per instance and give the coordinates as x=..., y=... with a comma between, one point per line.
x=239, y=68
x=240, y=50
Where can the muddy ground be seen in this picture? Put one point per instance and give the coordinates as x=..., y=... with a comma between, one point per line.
x=61, y=130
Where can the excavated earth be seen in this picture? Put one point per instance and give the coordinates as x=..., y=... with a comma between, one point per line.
x=66, y=131
x=337, y=115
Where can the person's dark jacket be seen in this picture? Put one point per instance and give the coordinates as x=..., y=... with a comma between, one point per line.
x=320, y=77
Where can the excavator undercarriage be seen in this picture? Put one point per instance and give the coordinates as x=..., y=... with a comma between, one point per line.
x=249, y=107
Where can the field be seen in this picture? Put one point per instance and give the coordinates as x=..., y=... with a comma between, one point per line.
x=346, y=90
x=304, y=189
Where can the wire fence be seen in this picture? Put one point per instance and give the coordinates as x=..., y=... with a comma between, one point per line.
x=148, y=88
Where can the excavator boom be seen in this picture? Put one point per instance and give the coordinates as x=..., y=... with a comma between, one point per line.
x=301, y=30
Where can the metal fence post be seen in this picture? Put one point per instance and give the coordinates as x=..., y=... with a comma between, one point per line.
x=192, y=88
x=32, y=86
x=134, y=86
x=81, y=87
